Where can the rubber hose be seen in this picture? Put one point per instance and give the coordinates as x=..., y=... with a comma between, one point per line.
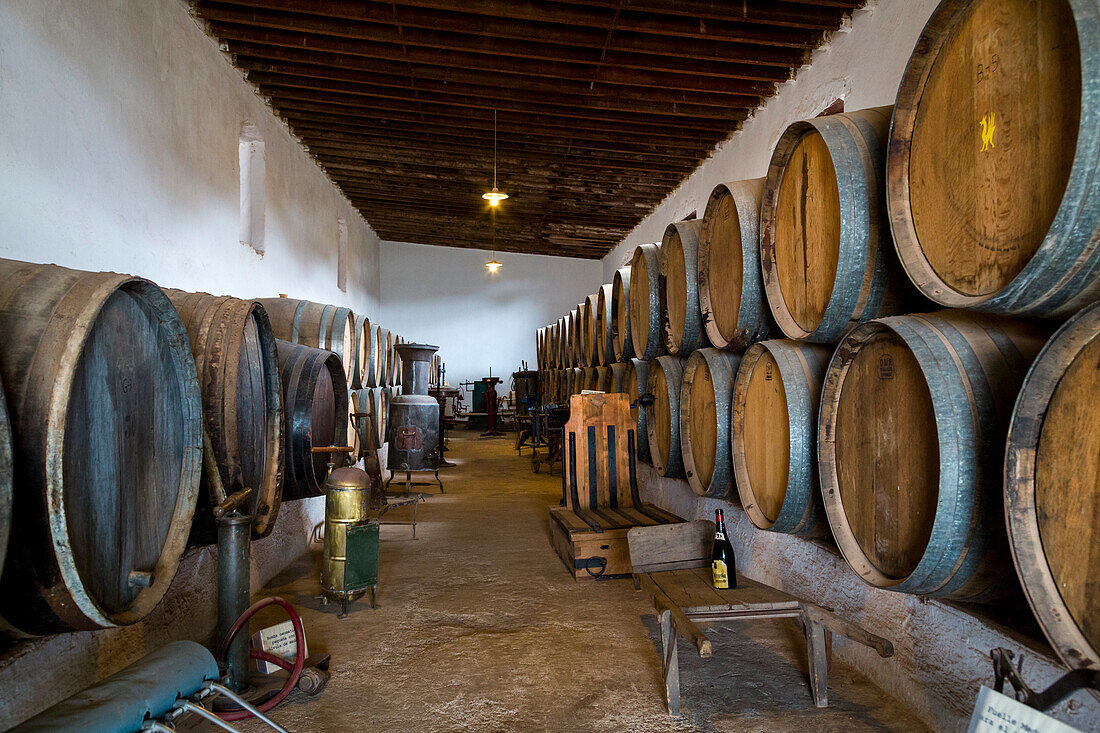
x=299, y=657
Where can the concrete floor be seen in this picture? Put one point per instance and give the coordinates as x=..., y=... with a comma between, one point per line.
x=480, y=627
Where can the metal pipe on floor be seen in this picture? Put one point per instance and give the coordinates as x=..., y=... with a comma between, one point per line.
x=234, y=551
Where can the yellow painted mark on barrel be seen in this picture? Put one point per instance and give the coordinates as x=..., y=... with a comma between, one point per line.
x=988, y=124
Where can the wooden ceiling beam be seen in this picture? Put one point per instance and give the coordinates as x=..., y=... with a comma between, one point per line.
x=529, y=49
x=485, y=60
x=601, y=217
x=408, y=85
x=524, y=29
x=760, y=12
x=563, y=13
x=428, y=176
x=328, y=134
x=298, y=99
x=411, y=76
x=383, y=121
x=449, y=154
x=537, y=103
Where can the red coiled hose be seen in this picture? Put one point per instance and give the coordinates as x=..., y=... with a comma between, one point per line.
x=295, y=669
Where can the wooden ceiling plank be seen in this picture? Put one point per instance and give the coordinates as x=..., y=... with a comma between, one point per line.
x=329, y=134
x=406, y=38
x=447, y=155
x=585, y=15
x=609, y=98
x=501, y=100
x=237, y=34
x=291, y=99
x=497, y=26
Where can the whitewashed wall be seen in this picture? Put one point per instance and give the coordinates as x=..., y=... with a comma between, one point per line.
x=862, y=64
x=119, y=130
x=447, y=297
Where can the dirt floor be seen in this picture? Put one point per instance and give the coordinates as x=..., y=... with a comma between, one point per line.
x=481, y=628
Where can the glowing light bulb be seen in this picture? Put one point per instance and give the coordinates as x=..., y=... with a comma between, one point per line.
x=493, y=265
x=494, y=197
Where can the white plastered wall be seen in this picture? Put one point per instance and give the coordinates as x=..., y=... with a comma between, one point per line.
x=119, y=131
x=447, y=297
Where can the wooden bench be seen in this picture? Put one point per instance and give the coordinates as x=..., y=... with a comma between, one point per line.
x=600, y=500
x=672, y=565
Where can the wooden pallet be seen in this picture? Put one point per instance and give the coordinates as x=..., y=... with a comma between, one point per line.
x=589, y=553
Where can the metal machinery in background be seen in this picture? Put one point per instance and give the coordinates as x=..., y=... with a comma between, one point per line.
x=525, y=385
x=413, y=426
x=486, y=389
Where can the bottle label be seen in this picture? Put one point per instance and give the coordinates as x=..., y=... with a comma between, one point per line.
x=721, y=576
x=719, y=535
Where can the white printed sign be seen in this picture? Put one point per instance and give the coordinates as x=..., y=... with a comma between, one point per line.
x=277, y=640
x=997, y=713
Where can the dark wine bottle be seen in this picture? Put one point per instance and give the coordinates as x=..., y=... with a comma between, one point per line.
x=722, y=563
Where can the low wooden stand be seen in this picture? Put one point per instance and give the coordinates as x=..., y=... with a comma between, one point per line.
x=672, y=565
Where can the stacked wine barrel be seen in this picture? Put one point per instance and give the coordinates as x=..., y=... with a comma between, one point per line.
x=102, y=475
x=834, y=346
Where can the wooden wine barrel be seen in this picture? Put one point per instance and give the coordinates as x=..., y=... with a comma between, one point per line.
x=604, y=379
x=383, y=413
x=922, y=402
x=635, y=383
x=663, y=417
x=539, y=346
x=395, y=364
x=381, y=337
x=591, y=378
x=621, y=342
x=825, y=245
x=618, y=377
x=575, y=328
x=776, y=393
x=362, y=338
x=576, y=382
x=6, y=469
x=605, y=351
x=682, y=323
x=314, y=324
x=969, y=231
x=354, y=436
x=338, y=327
x=731, y=290
x=563, y=342
x=588, y=331
x=315, y=407
x=106, y=427
x=362, y=432
x=705, y=421
x=234, y=351
x=646, y=302
x=1052, y=471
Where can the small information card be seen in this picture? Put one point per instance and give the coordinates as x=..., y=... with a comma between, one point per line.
x=997, y=713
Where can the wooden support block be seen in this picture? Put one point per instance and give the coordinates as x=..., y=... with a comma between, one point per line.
x=817, y=642
x=670, y=663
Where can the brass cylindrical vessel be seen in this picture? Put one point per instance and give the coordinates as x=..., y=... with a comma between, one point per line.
x=348, y=568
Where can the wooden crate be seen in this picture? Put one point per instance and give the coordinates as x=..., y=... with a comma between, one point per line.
x=604, y=553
